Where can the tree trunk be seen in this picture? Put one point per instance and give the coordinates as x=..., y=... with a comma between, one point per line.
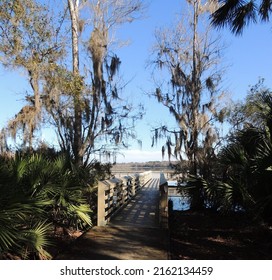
x=195, y=89
x=77, y=139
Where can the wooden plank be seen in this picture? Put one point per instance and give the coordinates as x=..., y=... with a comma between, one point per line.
x=133, y=234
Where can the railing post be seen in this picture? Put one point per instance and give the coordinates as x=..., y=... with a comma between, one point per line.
x=163, y=201
x=128, y=184
x=133, y=185
x=113, y=194
x=101, y=207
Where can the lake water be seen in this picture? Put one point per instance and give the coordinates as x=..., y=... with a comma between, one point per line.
x=180, y=201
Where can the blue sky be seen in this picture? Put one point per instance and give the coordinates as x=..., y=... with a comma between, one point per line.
x=248, y=57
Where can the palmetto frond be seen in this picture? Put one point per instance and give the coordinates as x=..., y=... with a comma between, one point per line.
x=36, y=240
x=9, y=235
x=263, y=158
x=83, y=212
x=233, y=154
x=237, y=14
x=36, y=194
x=15, y=215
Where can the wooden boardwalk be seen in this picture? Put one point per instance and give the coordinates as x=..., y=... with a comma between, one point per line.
x=133, y=234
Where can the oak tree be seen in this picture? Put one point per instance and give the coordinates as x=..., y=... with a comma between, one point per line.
x=81, y=99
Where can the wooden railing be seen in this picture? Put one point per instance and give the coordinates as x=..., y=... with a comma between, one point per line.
x=163, y=207
x=115, y=193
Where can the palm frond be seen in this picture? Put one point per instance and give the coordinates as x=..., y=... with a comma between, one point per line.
x=265, y=10
x=242, y=16
x=8, y=235
x=237, y=14
x=233, y=154
x=37, y=240
x=83, y=212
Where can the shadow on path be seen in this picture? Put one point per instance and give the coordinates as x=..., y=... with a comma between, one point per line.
x=133, y=234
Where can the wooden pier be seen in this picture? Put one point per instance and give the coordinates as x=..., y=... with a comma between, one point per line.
x=134, y=233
